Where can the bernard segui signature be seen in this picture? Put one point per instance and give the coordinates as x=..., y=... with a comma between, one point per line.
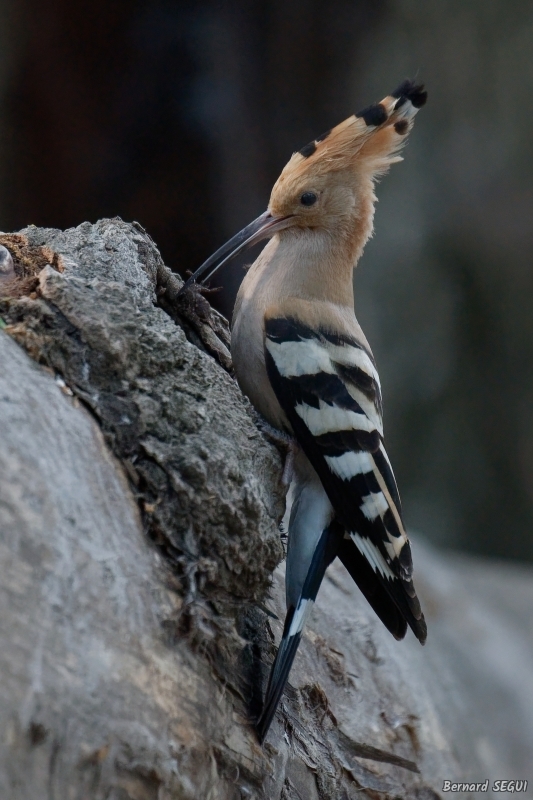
x=510, y=786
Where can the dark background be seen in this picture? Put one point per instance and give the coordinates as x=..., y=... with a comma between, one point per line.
x=181, y=115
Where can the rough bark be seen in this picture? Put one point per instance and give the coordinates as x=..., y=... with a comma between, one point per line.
x=138, y=532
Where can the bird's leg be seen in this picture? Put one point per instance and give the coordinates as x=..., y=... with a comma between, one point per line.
x=285, y=442
x=279, y=438
x=288, y=469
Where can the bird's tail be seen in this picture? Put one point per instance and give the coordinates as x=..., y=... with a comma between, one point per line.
x=326, y=550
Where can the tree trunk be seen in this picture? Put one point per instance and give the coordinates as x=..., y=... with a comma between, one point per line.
x=138, y=533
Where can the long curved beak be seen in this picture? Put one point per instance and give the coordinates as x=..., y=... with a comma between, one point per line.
x=261, y=228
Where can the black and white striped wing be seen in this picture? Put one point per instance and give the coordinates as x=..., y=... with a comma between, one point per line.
x=329, y=389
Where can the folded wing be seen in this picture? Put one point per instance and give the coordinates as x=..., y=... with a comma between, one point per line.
x=329, y=389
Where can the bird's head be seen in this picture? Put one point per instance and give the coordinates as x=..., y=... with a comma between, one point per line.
x=313, y=200
x=328, y=185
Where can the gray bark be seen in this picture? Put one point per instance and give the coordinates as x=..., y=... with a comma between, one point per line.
x=138, y=532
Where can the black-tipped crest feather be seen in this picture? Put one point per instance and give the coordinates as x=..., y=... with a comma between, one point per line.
x=409, y=90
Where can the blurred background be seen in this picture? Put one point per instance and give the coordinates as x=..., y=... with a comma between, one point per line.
x=180, y=114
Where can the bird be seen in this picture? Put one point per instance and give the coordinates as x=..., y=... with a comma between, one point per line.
x=302, y=359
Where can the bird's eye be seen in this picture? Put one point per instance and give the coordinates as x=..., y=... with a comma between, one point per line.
x=308, y=199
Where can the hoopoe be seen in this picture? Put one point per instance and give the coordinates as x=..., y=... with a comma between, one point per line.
x=305, y=364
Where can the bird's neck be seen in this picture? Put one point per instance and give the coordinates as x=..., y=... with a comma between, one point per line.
x=309, y=264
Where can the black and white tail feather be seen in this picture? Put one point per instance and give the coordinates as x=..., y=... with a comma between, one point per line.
x=345, y=503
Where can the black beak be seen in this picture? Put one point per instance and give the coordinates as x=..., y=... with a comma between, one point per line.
x=261, y=228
